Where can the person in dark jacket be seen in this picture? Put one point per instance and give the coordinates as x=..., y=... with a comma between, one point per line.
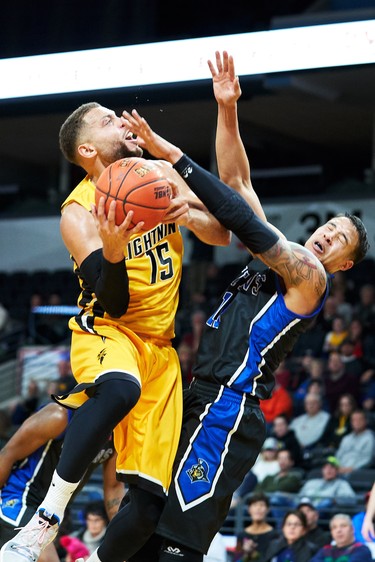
x=315, y=533
x=292, y=545
x=254, y=539
x=286, y=437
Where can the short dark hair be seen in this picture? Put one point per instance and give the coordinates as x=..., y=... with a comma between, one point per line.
x=301, y=516
x=71, y=129
x=96, y=508
x=259, y=497
x=363, y=242
x=283, y=416
x=284, y=449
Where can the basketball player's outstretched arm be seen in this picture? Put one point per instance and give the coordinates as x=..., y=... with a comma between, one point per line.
x=113, y=489
x=48, y=423
x=302, y=272
x=367, y=530
x=195, y=216
x=232, y=161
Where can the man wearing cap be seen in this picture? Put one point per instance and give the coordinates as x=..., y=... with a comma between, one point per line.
x=330, y=489
x=315, y=534
x=266, y=463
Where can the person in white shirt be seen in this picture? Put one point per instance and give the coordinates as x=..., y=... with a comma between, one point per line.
x=267, y=463
x=356, y=449
x=309, y=427
x=330, y=489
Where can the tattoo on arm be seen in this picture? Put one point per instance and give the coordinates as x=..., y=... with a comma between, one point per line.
x=295, y=265
x=115, y=502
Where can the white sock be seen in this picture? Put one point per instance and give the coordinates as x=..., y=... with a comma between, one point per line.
x=58, y=495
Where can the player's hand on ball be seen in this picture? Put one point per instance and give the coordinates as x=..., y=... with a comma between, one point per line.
x=178, y=211
x=115, y=238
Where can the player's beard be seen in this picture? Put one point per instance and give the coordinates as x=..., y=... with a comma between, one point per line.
x=125, y=151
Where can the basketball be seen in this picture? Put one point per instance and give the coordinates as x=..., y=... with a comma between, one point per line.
x=136, y=185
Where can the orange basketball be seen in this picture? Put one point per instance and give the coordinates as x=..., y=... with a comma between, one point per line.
x=136, y=185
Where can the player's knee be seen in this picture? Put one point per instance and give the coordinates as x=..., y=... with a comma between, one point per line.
x=124, y=394
x=151, y=516
x=148, y=508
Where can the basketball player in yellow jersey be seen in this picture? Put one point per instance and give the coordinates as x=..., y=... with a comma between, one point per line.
x=126, y=368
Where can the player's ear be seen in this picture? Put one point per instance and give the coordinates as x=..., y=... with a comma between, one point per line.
x=87, y=150
x=347, y=265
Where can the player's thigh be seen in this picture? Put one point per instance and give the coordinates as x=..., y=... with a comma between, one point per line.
x=146, y=440
x=112, y=349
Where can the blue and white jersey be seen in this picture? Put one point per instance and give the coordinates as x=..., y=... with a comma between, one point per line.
x=29, y=481
x=250, y=333
x=30, y=478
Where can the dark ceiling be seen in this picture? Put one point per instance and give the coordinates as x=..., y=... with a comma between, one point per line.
x=321, y=118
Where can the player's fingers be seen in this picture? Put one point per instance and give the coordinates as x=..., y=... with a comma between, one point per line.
x=127, y=221
x=141, y=122
x=174, y=188
x=129, y=121
x=127, y=115
x=111, y=212
x=100, y=210
x=94, y=211
x=178, y=206
x=231, y=69
x=212, y=68
x=218, y=61
x=225, y=61
x=136, y=228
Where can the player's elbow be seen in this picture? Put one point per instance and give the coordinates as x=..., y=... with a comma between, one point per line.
x=116, y=310
x=114, y=304
x=226, y=238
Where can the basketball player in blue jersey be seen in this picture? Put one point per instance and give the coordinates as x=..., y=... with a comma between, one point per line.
x=254, y=326
x=27, y=462
x=128, y=373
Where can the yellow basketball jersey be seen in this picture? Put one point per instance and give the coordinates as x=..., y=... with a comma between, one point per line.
x=154, y=266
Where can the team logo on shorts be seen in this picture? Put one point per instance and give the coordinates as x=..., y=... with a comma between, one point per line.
x=198, y=472
x=101, y=355
x=12, y=502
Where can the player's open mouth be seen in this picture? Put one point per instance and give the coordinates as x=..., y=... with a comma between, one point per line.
x=318, y=247
x=130, y=136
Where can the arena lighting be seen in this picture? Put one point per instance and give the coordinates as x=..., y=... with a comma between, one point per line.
x=280, y=50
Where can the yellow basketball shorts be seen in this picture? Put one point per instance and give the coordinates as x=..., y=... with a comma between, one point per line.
x=146, y=439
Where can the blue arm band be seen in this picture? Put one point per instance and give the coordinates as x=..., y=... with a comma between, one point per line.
x=227, y=206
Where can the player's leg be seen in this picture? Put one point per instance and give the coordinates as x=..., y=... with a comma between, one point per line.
x=221, y=439
x=146, y=448
x=132, y=526
x=49, y=554
x=87, y=432
x=150, y=550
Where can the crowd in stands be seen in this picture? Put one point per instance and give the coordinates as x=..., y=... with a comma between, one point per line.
x=320, y=417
